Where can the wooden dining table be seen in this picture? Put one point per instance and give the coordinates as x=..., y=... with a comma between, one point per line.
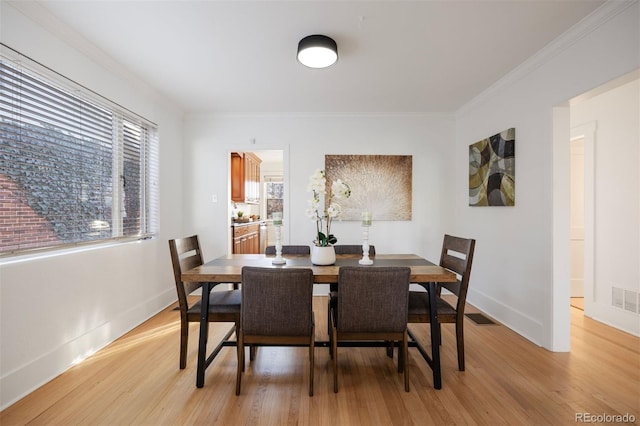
x=228, y=269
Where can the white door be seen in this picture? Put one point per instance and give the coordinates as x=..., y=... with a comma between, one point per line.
x=577, y=217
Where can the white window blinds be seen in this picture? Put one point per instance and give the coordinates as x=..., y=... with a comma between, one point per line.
x=74, y=167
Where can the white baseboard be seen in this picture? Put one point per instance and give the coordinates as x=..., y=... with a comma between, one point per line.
x=20, y=382
x=528, y=327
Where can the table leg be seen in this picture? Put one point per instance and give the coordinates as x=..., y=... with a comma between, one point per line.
x=204, y=333
x=435, y=336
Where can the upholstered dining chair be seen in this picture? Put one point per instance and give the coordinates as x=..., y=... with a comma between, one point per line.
x=288, y=249
x=277, y=309
x=373, y=305
x=457, y=256
x=333, y=288
x=224, y=306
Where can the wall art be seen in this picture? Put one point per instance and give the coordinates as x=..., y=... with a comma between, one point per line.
x=492, y=166
x=380, y=184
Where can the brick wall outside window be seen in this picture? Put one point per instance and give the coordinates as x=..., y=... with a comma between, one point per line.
x=18, y=221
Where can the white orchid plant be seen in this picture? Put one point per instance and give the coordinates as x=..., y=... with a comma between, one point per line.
x=339, y=191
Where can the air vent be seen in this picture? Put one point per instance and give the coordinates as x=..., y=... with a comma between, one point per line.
x=617, y=297
x=631, y=301
x=628, y=300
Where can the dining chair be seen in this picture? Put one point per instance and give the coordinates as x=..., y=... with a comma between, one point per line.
x=353, y=249
x=333, y=288
x=224, y=306
x=288, y=249
x=456, y=256
x=373, y=305
x=277, y=308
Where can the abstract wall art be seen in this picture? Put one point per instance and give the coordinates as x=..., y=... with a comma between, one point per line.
x=380, y=184
x=492, y=170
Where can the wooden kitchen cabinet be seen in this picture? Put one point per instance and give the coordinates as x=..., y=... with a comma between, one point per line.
x=246, y=239
x=237, y=177
x=245, y=178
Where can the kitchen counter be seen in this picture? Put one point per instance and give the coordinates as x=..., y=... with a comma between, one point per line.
x=248, y=237
x=255, y=222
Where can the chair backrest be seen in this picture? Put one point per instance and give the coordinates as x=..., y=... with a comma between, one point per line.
x=277, y=302
x=352, y=249
x=457, y=256
x=373, y=299
x=185, y=255
x=288, y=249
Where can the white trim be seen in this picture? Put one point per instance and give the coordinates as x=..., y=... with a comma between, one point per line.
x=586, y=26
x=560, y=319
x=588, y=132
x=37, y=371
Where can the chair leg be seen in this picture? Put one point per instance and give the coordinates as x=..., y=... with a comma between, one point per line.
x=329, y=314
x=312, y=347
x=329, y=321
x=184, y=340
x=334, y=350
x=440, y=332
x=460, y=343
x=405, y=359
x=330, y=330
x=390, y=345
x=400, y=358
x=240, y=369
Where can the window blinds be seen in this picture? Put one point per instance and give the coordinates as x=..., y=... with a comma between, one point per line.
x=74, y=168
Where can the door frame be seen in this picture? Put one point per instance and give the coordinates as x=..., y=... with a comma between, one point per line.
x=587, y=131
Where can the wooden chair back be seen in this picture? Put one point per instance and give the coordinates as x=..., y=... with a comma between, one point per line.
x=224, y=306
x=288, y=249
x=457, y=256
x=353, y=249
x=185, y=255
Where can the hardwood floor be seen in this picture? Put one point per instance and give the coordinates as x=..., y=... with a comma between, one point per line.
x=578, y=303
x=136, y=381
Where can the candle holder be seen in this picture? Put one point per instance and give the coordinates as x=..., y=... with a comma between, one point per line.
x=279, y=260
x=365, y=246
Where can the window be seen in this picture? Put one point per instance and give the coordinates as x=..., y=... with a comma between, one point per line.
x=74, y=168
x=274, y=190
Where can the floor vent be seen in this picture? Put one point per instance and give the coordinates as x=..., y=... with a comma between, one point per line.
x=628, y=300
x=480, y=319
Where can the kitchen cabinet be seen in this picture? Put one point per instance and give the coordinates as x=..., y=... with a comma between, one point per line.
x=245, y=178
x=246, y=239
x=237, y=177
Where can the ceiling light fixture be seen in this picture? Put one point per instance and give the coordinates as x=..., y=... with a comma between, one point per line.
x=317, y=51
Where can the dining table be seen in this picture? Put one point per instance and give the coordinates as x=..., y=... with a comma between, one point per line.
x=228, y=270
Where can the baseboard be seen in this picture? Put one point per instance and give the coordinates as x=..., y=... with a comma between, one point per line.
x=20, y=382
x=528, y=327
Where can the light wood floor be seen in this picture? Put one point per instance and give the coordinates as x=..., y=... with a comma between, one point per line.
x=508, y=380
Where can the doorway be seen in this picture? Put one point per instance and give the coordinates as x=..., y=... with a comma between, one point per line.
x=608, y=113
x=261, y=193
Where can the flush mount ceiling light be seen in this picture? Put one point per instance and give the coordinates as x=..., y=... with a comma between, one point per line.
x=317, y=51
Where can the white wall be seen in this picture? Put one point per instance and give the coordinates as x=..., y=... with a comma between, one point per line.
x=306, y=139
x=513, y=271
x=56, y=310
x=616, y=115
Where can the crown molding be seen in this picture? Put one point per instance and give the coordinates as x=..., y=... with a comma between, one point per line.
x=586, y=26
x=293, y=114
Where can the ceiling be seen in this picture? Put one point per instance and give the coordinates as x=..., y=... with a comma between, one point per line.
x=394, y=56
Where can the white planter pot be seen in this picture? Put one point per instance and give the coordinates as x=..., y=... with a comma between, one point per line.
x=323, y=255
